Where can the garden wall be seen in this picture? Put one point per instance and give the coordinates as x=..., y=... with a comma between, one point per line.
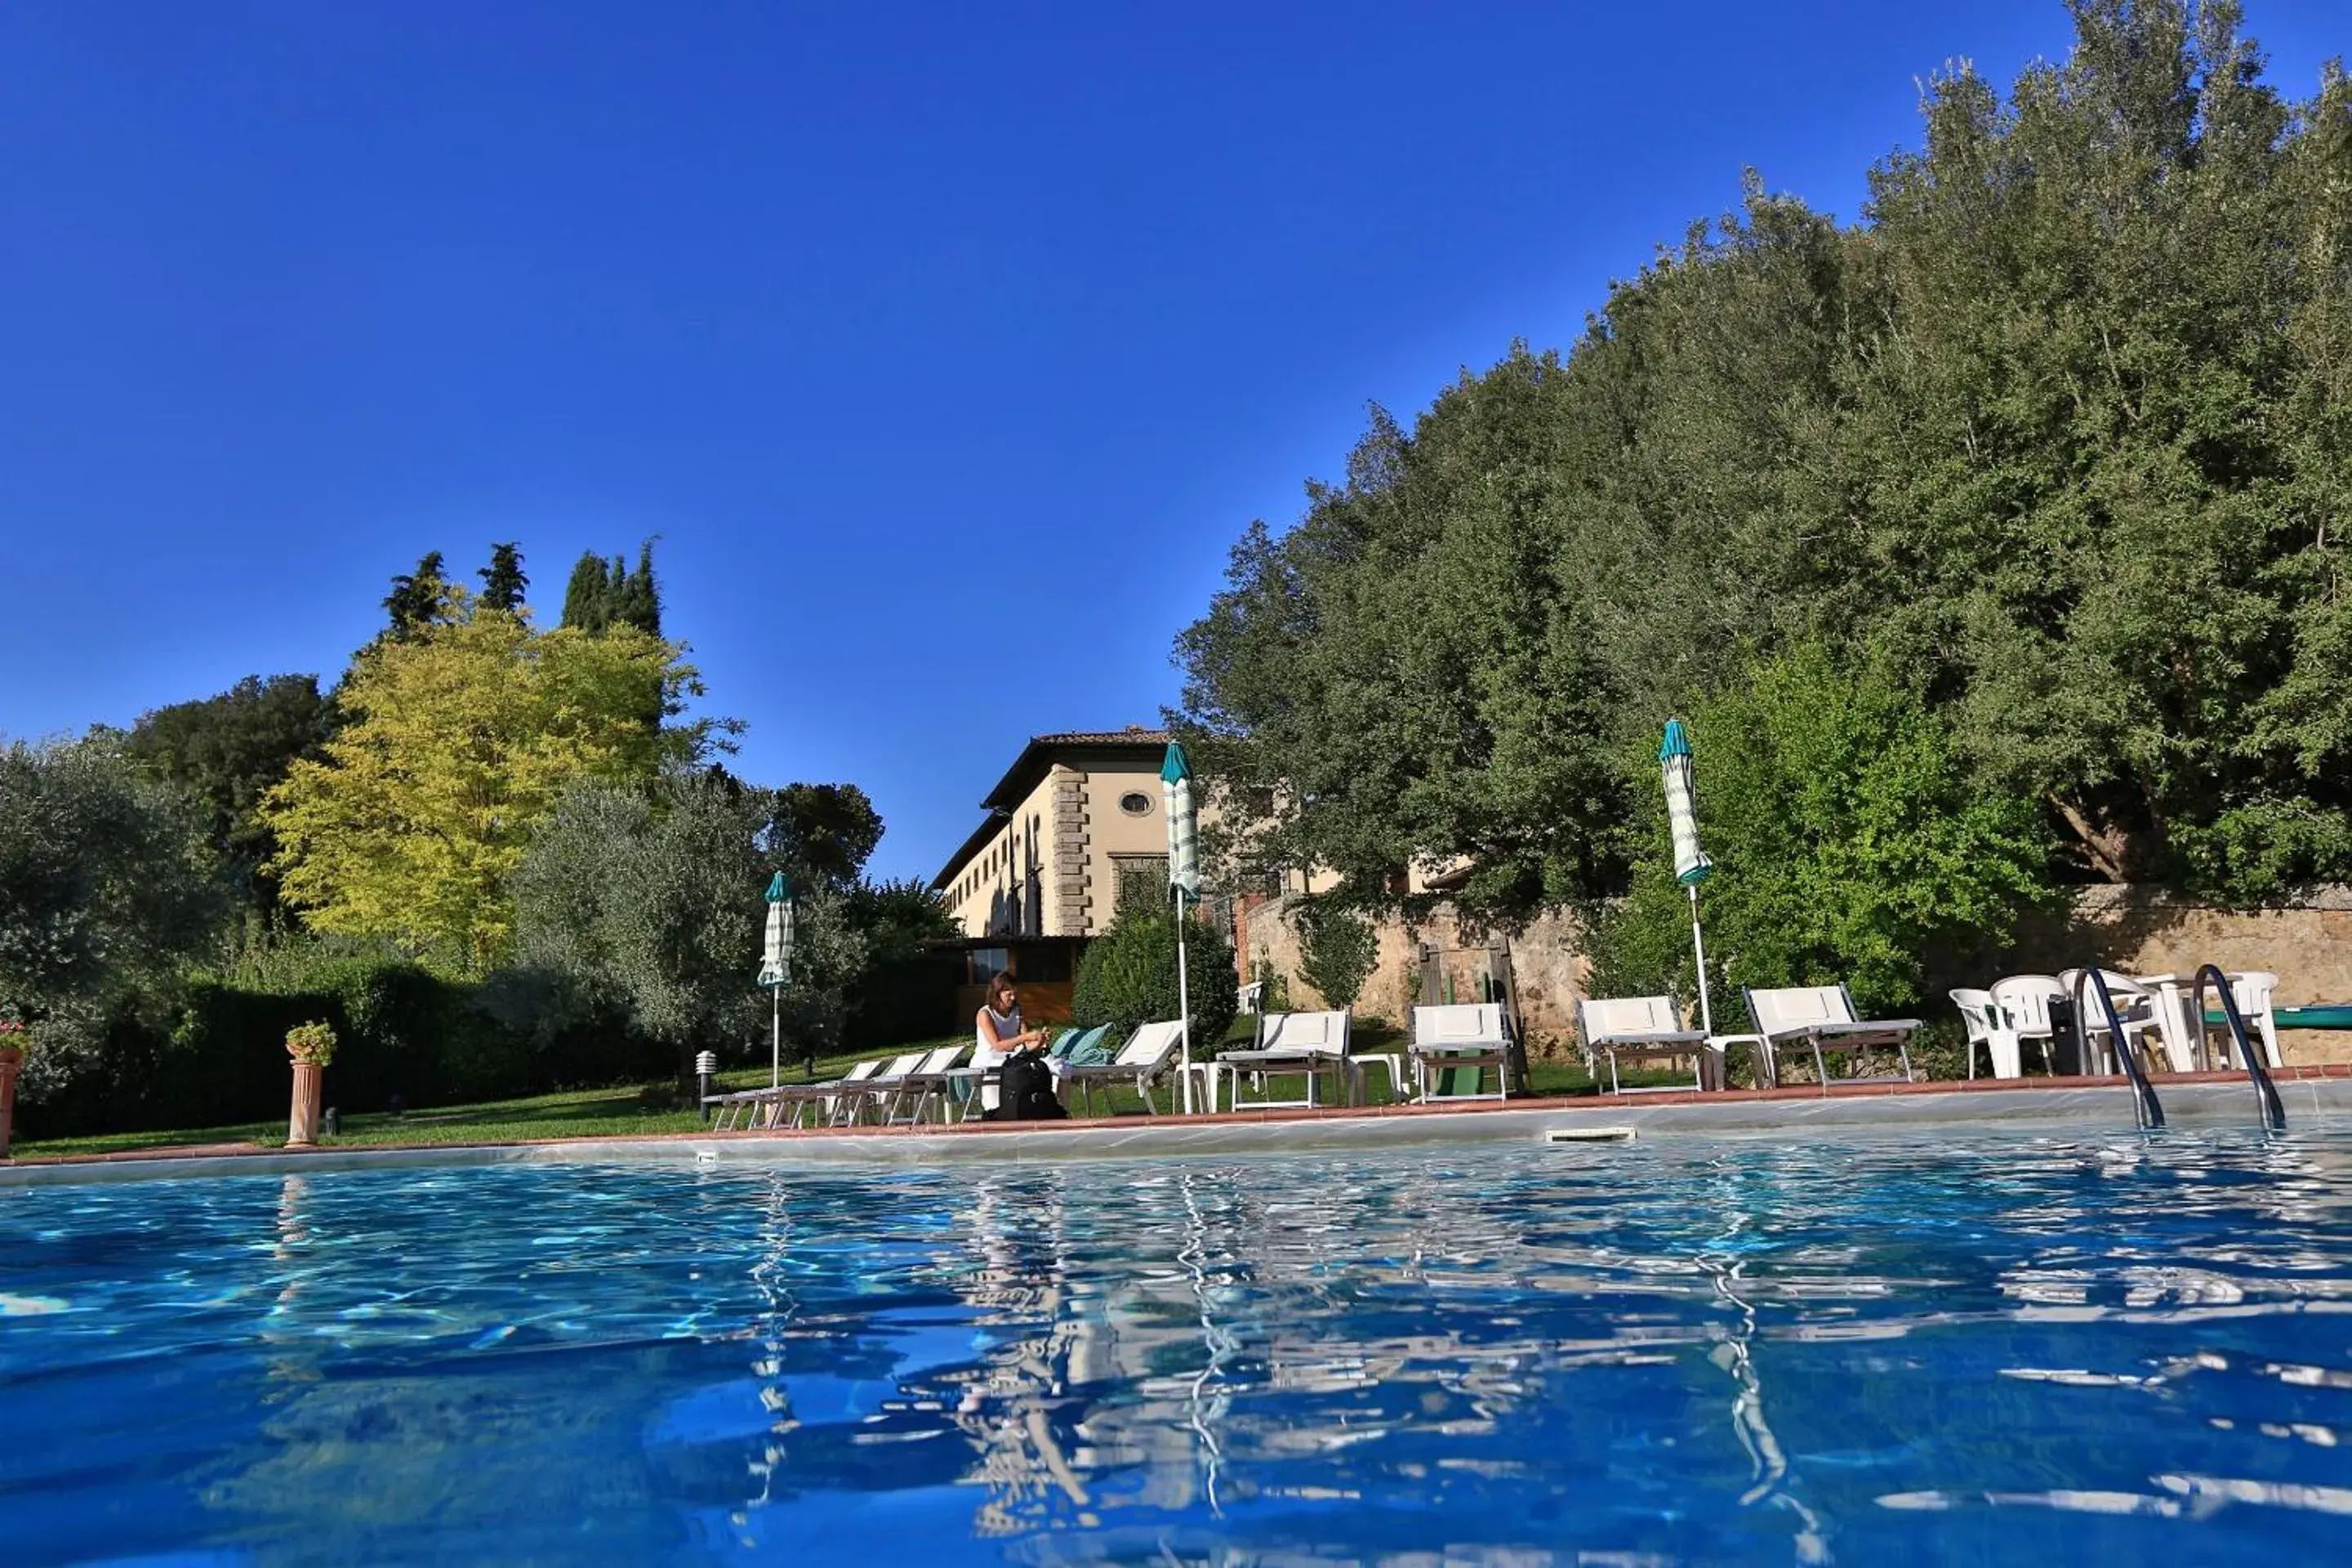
x=2138, y=931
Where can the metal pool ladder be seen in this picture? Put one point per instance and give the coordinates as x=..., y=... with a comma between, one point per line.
x=2265, y=1091
x=2144, y=1108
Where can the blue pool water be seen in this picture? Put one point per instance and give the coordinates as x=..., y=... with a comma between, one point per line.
x=1951, y=1348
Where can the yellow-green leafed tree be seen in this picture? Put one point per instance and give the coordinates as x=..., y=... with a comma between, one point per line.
x=460, y=738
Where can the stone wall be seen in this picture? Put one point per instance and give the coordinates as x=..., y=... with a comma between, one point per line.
x=1545, y=963
x=2147, y=930
x=2137, y=930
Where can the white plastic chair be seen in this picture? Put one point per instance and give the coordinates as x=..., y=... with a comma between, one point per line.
x=1981, y=1016
x=2137, y=1004
x=2024, y=1003
x=2257, y=993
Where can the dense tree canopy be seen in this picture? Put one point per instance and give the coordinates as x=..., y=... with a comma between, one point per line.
x=600, y=596
x=228, y=753
x=458, y=740
x=2062, y=432
x=105, y=882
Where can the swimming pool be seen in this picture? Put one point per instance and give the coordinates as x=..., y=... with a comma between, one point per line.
x=1958, y=1346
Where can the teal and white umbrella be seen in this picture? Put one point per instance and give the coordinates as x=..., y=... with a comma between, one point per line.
x=776, y=969
x=1183, y=881
x=1691, y=866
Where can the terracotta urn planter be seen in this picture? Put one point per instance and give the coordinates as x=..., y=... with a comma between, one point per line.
x=12, y=1062
x=312, y=1046
x=302, y=1123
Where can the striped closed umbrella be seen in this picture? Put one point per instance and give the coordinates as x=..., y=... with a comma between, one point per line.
x=776, y=969
x=1183, y=881
x=1183, y=826
x=1692, y=865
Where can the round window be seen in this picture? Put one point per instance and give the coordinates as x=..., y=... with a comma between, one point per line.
x=1135, y=802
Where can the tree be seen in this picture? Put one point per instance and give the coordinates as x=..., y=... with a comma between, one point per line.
x=1851, y=843
x=1128, y=977
x=503, y=581
x=601, y=594
x=2060, y=430
x=227, y=753
x=418, y=598
x=106, y=886
x=587, y=603
x=652, y=898
x=637, y=599
x=1337, y=950
x=823, y=833
x=458, y=741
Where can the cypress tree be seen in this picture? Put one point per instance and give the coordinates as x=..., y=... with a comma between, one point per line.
x=417, y=596
x=637, y=601
x=587, y=598
x=503, y=581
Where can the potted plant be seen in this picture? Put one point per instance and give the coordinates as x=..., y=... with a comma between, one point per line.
x=312, y=1046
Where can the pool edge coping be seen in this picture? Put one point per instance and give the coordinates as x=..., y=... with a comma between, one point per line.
x=2201, y=1099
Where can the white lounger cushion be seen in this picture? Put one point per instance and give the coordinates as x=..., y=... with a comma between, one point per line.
x=1633, y=1021
x=1459, y=1026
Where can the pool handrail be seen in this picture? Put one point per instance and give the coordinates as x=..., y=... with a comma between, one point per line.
x=2146, y=1110
x=2265, y=1091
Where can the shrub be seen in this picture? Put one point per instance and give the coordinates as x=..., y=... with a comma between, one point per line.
x=1336, y=949
x=1129, y=976
x=312, y=1044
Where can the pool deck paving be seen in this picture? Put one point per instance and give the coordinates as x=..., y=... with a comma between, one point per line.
x=2313, y=1096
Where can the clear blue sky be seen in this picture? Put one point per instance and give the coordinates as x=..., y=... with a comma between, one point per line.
x=947, y=348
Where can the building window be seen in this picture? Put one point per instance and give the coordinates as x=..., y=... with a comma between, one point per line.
x=983, y=965
x=1135, y=802
x=1140, y=877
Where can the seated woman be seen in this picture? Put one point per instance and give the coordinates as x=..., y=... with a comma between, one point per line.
x=998, y=1032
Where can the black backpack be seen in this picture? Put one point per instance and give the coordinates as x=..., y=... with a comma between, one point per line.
x=1024, y=1090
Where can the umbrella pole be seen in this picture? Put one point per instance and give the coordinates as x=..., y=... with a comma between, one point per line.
x=1184, y=1005
x=1698, y=948
x=775, y=1037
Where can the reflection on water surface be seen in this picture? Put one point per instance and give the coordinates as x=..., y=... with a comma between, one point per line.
x=1672, y=1351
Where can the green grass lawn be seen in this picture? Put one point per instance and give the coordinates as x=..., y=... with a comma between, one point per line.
x=641, y=1108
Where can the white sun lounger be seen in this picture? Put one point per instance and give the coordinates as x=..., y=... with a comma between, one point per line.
x=1461, y=1039
x=785, y=1105
x=1305, y=1044
x=1822, y=1018
x=924, y=1086
x=874, y=1091
x=1641, y=1027
x=1148, y=1055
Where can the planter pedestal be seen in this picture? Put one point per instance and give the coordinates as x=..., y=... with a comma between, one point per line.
x=302, y=1123
x=12, y=1061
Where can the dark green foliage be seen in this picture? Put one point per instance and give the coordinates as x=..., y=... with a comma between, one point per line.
x=1849, y=845
x=503, y=580
x=823, y=834
x=649, y=904
x=601, y=595
x=106, y=888
x=227, y=753
x=418, y=597
x=1337, y=950
x=587, y=603
x=2063, y=432
x=1128, y=977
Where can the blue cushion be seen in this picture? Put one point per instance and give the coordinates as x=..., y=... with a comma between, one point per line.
x=1094, y=1051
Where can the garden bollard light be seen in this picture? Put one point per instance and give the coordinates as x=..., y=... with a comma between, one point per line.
x=705, y=1063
